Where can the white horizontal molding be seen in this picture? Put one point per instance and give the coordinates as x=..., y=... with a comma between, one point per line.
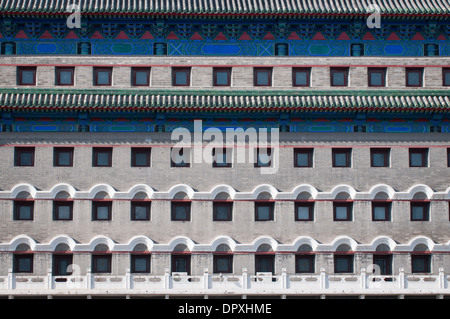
x=269, y=191
x=234, y=247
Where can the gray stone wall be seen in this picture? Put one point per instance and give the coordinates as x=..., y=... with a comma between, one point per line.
x=242, y=70
x=243, y=177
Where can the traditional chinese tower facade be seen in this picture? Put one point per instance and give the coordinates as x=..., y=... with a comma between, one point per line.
x=356, y=203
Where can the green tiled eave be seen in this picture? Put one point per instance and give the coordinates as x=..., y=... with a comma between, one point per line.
x=208, y=100
x=218, y=7
x=213, y=92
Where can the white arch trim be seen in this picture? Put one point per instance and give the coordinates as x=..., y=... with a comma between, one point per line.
x=101, y=188
x=381, y=188
x=140, y=188
x=383, y=240
x=60, y=239
x=420, y=188
x=136, y=240
x=264, y=188
x=183, y=241
x=344, y=240
x=211, y=247
x=222, y=189
x=62, y=187
x=264, y=240
x=343, y=189
x=304, y=240
x=304, y=188
x=181, y=188
x=101, y=240
x=421, y=240
x=19, y=240
x=223, y=240
x=235, y=195
x=16, y=190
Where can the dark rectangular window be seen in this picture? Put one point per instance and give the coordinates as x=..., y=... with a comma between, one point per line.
x=23, y=210
x=160, y=48
x=101, y=263
x=304, y=211
x=414, y=77
x=24, y=156
x=181, y=263
x=181, y=76
x=420, y=211
x=339, y=76
x=222, y=76
x=101, y=210
x=23, y=263
x=431, y=49
x=264, y=263
x=223, y=264
x=448, y=157
x=342, y=157
x=26, y=75
x=343, y=264
x=301, y=77
x=357, y=49
x=264, y=211
x=180, y=157
x=303, y=157
x=418, y=157
x=446, y=76
x=63, y=210
x=377, y=77
x=140, y=210
x=63, y=156
x=262, y=76
x=140, y=157
x=385, y=264
x=102, y=76
x=263, y=157
x=64, y=76
x=61, y=264
x=222, y=157
x=304, y=264
x=222, y=211
x=379, y=157
x=140, y=264
x=282, y=49
x=342, y=211
x=420, y=263
x=181, y=211
x=140, y=76
x=381, y=211
x=102, y=157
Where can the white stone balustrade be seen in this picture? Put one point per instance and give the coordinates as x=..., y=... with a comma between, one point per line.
x=223, y=284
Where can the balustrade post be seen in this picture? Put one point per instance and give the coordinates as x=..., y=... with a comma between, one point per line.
x=166, y=278
x=323, y=279
x=363, y=278
x=205, y=279
x=127, y=278
x=88, y=278
x=441, y=278
x=49, y=279
x=10, y=284
x=244, y=278
x=284, y=281
x=402, y=278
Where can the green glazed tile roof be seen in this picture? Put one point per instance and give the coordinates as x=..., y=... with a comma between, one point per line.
x=230, y=6
x=434, y=101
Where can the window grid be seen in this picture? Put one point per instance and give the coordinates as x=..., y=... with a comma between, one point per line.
x=264, y=211
x=102, y=76
x=64, y=76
